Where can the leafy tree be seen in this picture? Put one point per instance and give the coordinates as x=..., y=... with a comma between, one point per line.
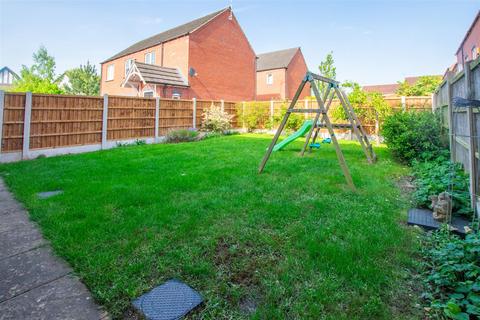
x=83, y=80
x=423, y=86
x=365, y=104
x=327, y=69
x=40, y=77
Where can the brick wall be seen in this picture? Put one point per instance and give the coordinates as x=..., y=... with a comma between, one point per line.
x=276, y=90
x=224, y=61
x=295, y=73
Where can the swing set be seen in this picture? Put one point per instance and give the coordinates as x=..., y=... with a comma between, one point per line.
x=332, y=90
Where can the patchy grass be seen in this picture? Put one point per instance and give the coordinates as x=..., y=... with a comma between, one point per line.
x=293, y=242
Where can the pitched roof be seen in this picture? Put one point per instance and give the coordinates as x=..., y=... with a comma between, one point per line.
x=276, y=59
x=10, y=71
x=170, y=34
x=150, y=73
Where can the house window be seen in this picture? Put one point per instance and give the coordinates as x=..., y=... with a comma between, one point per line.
x=150, y=57
x=110, y=72
x=474, y=53
x=148, y=93
x=269, y=78
x=176, y=95
x=128, y=65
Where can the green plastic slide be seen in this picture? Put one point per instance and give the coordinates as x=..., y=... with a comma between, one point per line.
x=299, y=133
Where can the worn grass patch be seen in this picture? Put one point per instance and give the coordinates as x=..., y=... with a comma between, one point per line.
x=291, y=243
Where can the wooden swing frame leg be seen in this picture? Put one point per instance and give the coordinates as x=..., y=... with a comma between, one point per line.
x=282, y=126
x=317, y=129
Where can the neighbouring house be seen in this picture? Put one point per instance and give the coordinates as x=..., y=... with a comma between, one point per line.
x=207, y=58
x=279, y=74
x=469, y=48
x=6, y=77
x=390, y=89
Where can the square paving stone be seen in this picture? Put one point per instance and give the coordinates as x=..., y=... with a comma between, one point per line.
x=29, y=270
x=19, y=240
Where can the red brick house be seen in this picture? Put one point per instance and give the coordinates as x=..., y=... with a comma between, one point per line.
x=469, y=48
x=279, y=74
x=207, y=58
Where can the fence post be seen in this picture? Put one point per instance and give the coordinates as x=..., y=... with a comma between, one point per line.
x=222, y=104
x=2, y=106
x=452, y=140
x=377, y=127
x=157, y=117
x=26, y=125
x=404, y=104
x=194, y=108
x=472, y=133
x=243, y=114
x=271, y=111
x=433, y=100
x=104, y=121
x=306, y=107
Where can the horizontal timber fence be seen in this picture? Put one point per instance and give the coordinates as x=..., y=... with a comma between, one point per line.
x=268, y=114
x=59, y=124
x=463, y=123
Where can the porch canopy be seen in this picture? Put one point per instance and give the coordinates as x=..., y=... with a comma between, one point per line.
x=153, y=75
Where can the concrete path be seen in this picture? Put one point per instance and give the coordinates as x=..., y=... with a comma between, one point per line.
x=34, y=283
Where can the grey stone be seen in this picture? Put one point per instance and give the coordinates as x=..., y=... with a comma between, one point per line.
x=64, y=298
x=28, y=270
x=48, y=194
x=15, y=241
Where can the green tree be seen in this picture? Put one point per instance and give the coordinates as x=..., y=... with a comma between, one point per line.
x=423, y=86
x=40, y=77
x=83, y=80
x=327, y=69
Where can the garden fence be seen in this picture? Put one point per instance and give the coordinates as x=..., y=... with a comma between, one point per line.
x=463, y=124
x=59, y=124
x=39, y=124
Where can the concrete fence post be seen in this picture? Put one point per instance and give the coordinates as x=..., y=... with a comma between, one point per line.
x=243, y=114
x=271, y=112
x=26, y=125
x=404, y=104
x=194, y=108
x=222, y=105
x=2, y=107
x=104, y=121
x=157, y=118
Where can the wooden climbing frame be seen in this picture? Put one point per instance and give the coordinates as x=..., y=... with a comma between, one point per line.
x=324, y=103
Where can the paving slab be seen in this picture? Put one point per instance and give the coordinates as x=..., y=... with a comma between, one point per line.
x=27, y=271
x=34, y=283
x=64, y=298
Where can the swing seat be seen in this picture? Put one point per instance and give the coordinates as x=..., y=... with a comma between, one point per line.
x=327, y=140
x=315, y=145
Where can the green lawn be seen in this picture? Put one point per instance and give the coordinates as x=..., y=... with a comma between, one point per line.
x=291, y=243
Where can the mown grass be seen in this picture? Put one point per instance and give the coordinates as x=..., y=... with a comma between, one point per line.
x=292, y=243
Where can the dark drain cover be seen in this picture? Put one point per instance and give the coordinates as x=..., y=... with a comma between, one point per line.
x=169, y=301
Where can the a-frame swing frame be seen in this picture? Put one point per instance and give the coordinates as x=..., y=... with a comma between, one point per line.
x=329, y=94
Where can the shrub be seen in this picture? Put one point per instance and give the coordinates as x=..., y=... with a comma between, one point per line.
x=451, y=273
x=254, y=115
x=216, y=120
x=182, y=135
x=436, y=176
x=414, y=135
x=294, y=122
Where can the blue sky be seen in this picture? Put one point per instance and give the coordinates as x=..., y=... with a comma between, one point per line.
x=372, y=41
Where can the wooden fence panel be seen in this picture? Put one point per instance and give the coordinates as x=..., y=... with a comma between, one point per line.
x=175, y=114
x=59, y=121
x=13, y=115
x=130, y=118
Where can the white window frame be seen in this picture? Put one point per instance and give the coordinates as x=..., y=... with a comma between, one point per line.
x=149, y=91
x=110, y=72
x=474, y=52
x=128, y=65
x=269, y=78
x=150, y=57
